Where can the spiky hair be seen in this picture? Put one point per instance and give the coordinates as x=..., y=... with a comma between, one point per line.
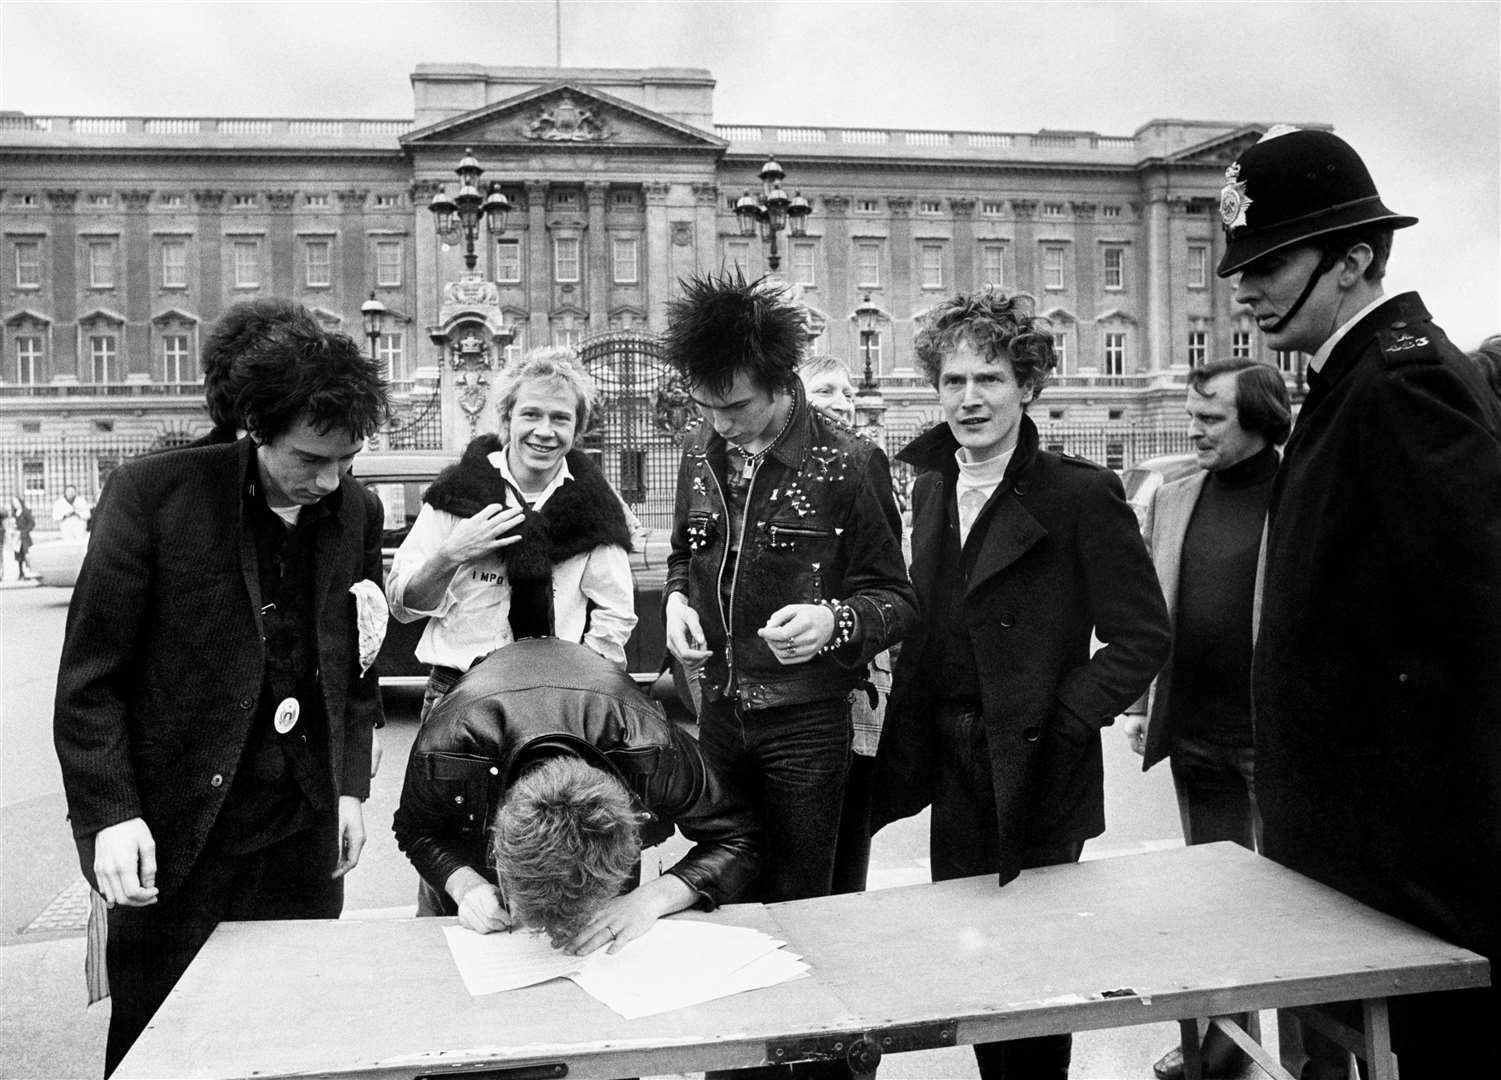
x=565, y=841
x=723, y=324
x=242, y=327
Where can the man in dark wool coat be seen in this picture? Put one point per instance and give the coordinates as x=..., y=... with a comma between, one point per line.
x=215, y=701
x=1376, y=680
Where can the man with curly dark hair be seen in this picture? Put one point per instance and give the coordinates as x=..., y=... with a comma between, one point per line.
x=244, y=326
x=1018, y=554
x=786, y=574
x=215, y=706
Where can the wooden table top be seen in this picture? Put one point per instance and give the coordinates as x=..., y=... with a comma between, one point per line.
x=1108, y=943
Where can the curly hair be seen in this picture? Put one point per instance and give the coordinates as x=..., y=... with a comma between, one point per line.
x=302, y=369
x=565, y=840
x=558, y=367
x=997, y=326
x=240, y=327
x=723, y=324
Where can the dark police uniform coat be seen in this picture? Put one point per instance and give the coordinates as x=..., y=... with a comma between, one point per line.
x=1061, y=557
x=1377, y=672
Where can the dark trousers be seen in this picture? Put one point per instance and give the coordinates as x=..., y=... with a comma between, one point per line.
x=1216, y=788
x=793, y=761
x=852, y=849
x=150, y=947
x=963, y=843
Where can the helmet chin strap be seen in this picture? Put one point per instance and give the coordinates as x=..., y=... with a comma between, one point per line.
x=1327, y=262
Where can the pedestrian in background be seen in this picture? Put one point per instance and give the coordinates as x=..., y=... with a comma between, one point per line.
x=1018, y=553
x=21, y=521
x=72, y=512
x=1375, y=679
x=1204, y=534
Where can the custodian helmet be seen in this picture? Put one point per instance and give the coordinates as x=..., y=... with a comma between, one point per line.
x=1291, y=186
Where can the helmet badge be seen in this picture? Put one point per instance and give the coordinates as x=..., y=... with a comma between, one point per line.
x=1234, y=202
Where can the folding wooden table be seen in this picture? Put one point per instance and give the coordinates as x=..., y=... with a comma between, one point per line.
x=1172, y=935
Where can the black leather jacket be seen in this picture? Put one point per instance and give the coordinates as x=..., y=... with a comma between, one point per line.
x=546, y=693
x=820, y=524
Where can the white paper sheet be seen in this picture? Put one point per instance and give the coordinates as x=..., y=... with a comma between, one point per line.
x=679, y=962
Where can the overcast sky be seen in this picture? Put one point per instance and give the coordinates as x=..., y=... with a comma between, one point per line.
x=1413, y=86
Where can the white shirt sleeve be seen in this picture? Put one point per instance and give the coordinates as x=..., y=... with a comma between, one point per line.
x=607, y=581
x=428, y=532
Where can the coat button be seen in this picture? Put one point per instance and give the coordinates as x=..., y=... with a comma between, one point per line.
x=217, y=780
x=1399, y=325
x=1032, y=734
x=1403, y=677
x=1008, y=621
x=247, y=703
x=1019, y=488
x=458, y=800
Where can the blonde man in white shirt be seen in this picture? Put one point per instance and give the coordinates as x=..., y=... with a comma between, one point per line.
x=521, y=537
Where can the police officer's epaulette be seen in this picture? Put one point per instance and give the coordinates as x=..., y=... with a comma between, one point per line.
x=1404, y=343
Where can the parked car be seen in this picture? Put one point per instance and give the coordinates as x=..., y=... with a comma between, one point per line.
x=400, y=478
x=1145, y=477
x=56, y=562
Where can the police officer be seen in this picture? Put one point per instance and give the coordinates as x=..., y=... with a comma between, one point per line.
x=1375, y=681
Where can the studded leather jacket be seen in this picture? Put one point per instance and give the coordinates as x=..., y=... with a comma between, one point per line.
x=546, y=695
x=820, y=523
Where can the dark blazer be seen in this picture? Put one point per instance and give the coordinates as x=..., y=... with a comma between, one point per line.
x=1377, y=673
x=162, y=661
x=1061, y=557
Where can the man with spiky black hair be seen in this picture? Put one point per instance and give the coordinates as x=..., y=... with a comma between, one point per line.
x=786, y=575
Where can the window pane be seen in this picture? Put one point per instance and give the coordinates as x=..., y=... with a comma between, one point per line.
x=388, y=262
x=28, y=263
x=1115, y=272
x=624, y=260
x=318, y=269
x=802, y=263
x=565, y=259
x=1241, y=345
x=508, y=261
x=737, y=254
x=869, y=259
x=1115, y=354
x=1052, y=268
x=1198, y=266
x=102, y=358
x=175, y=358
x=28, y=359
x=247, y=264
x=992, y=265
x=174, y=264
x=102, y=264
x=1197, y=348
x=932, y=266
x=1060, y=350
x=388, y=353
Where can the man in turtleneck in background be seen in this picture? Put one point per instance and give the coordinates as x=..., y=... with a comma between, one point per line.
x=1204, y=532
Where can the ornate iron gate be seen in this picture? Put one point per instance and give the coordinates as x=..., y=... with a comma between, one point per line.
x=639, y=427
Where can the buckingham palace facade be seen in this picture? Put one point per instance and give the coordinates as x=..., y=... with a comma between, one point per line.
x=126, y=237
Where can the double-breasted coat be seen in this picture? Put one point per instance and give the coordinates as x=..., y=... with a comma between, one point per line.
x=1376, y=680
x=163, y=657
x=1060, y=558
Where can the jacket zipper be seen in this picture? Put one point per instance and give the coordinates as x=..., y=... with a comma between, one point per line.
x=724, y=617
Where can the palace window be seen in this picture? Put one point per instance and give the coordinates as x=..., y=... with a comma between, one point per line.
x=868, y=264
x=1115, y=353
x=28, y=264
x=1060, y=350
x=508, y=262
x=993, y=265
x=388, y=263
x=565, y=259
x=101, y=264
x=174, y=264
x=625, y=268
x=388, y=202
x=1053, y=209
x=867, y=206
x=176, y=367
x=930, y=206
x=104, y=358
x=101, y=202
x=1115, y=268
x=315, y=200
x=389, y=354
x=737, y=253
x=1198, y=348
x=171, y=202
x=244, y=202
x=623, y=199
x=319, y=263
x=932, y=266
x=247, y=256
x=803, y=258
x=1241, y=345
x=992, y=207
x=1198, y=266
x=1110, y=211
x=1052, y=268
x=29, y=358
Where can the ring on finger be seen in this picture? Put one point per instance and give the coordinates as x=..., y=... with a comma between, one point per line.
x=611, y=931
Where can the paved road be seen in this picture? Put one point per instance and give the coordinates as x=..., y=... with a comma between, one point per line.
x=45, y=1030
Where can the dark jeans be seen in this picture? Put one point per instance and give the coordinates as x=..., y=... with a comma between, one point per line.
x=852, y=850
x=792, y=760
x=963, y=843
x=150, y=947
x=1216, y=792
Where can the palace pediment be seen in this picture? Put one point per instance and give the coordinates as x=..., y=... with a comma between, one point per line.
x=1220, y=151
x=564, y=116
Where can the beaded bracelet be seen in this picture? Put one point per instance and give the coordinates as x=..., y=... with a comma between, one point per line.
x=844, y=624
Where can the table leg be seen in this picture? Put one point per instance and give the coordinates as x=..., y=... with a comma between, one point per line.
x=1378, y=1040
x=1193, y=1058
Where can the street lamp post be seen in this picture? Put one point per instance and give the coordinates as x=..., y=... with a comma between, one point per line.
x=772, y=211
x=459, y=217
x=867, y=317
x=374, y=314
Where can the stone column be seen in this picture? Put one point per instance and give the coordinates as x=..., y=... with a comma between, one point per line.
x=354, y=276
x=1221, y=290
x=599, y=278
x=965, y=276
x=63, y=354
x=1159, y=283
x=1089, y=279
x=211, y=252
x=285, y=280
x=839, y=290
x=137, y=344
x=1025, y=211
x=658, y=256
x=706, y=227
x=538, y=266
x=903, y=286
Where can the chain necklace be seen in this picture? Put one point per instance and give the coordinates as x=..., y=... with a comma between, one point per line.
x=750, y=461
